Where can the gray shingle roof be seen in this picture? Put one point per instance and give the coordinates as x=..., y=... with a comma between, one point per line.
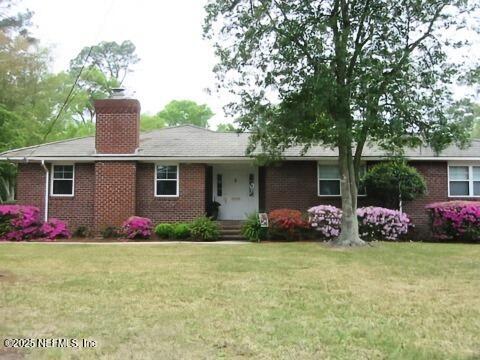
x=194, y=142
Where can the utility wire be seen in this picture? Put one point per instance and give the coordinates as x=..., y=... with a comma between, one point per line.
x=52, y=124
x=64, y=105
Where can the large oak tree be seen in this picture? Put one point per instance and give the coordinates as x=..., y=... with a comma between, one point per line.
x=341, y=73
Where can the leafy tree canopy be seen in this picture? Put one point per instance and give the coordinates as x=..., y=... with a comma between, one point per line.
x=112, y=59
x=341, y=73
x=182, y=112
x=105, y=67
x=151, y=122
x=226, y=127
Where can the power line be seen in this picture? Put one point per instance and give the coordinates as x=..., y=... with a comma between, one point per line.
x=64, y=105
x=52, y=124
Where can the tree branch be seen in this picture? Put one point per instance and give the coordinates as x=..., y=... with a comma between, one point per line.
x=409, y=48
x=358, y=43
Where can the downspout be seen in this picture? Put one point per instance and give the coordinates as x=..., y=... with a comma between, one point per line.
x=46, y=189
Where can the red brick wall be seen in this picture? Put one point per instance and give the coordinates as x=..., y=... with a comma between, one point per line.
x=190, y=203
x=117, y=126
x=107, y=193
x=115, y=184
x=294, y=185
x=76, y=210
x=31, y=186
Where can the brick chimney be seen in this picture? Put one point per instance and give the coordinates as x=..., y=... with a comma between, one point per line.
x=117, y=124
x=118, y=132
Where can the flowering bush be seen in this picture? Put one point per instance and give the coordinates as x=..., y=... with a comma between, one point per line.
x=326, y=219
x=18, y=222
x=455, y=220
x=137, y=227
x=377, y=223
x=287, y=223
x=54, y=229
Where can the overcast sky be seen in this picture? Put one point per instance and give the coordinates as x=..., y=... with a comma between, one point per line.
x=176, y=63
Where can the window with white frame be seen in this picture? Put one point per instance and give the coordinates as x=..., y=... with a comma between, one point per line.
x=329, y=180
x=464, y=181
x=166, y=180
x=62, y=183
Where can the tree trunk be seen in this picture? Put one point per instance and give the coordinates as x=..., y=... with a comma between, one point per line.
x=349, y=235
x=8, y=190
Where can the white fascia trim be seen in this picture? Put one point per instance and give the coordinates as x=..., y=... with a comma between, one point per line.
x=117, y=157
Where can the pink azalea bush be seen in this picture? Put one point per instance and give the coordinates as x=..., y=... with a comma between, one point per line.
x=18, y=222
x=455, y=220
x=54, y=229
x=375, y=223
x=326, y=219
x=137, y=227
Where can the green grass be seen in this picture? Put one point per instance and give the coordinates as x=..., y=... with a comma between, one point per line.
x=289, y=300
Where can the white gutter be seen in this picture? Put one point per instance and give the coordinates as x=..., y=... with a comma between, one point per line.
x=222, y=159
x=46, y=189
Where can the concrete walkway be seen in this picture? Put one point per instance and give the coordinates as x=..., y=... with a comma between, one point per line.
x=128, y=243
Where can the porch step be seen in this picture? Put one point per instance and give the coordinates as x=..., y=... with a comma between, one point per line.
x=230, y=230
x=232, y=237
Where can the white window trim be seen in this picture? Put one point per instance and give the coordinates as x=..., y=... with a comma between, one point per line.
x=52, y=175
x=470, y=179
x=155, y=180
x=319, y=163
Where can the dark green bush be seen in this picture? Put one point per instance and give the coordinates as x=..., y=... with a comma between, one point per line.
x=81, y=232
x=386, y=181
x=252, y=230
x=204, y=229
x=181, y=231
x=111, y=232
x=164, y=231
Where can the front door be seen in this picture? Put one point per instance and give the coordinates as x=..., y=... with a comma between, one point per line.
x=235, y=187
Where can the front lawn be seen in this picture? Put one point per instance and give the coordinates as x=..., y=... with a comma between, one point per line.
x=291, y=300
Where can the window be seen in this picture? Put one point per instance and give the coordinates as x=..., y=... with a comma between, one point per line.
x=166, y=180
x=62, y=180
x=329, y=180
x=464, y=181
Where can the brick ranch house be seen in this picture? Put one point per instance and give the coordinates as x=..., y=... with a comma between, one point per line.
x=172, y=174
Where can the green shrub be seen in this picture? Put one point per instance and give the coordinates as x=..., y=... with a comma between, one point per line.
x=111, y=232
x=181, y=231
x=81, y=232
x=252, y=230
x=388, y=181
x=204, y=229
x=164, y=231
